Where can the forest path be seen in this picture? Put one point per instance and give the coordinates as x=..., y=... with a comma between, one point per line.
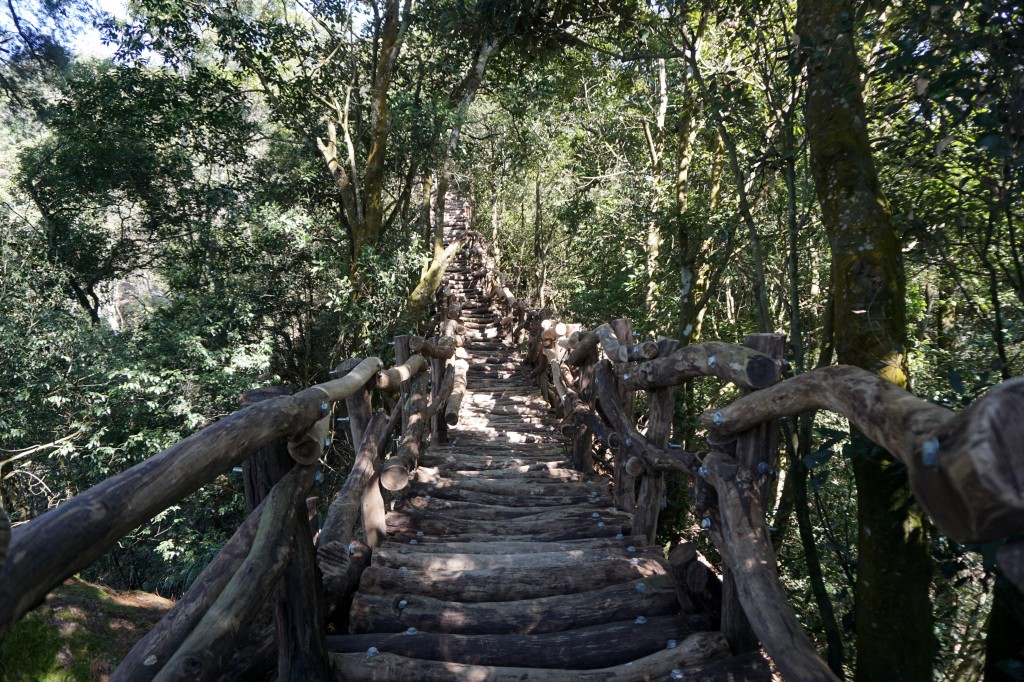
x=503, y=563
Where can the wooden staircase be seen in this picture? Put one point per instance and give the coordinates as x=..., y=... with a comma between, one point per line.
x=502, y=563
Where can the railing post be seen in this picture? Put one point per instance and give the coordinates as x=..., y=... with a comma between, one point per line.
x=402, y=354
x=438, y=425
x=265, y=467
x=625, y=485
x=755, y=449
x=357, y=405
x=659, y=428
x=298, y=603
x=583, y=443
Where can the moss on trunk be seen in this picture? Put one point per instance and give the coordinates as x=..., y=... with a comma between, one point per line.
x=892, y=603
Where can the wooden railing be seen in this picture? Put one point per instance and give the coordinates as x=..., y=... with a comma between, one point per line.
x=278, y=438
x=964, y=468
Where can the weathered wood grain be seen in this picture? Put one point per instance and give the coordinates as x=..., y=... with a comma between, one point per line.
x=568, y=650
x=698, y=648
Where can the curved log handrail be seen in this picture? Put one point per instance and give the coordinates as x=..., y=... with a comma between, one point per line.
x=66, y=539
x=391, y=379
x=752, y=560
x=742, y=366
x=963, y=468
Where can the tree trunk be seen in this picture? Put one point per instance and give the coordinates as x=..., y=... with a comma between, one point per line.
x=892, y=601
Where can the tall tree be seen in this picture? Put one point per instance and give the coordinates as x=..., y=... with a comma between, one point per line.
x=892, y=602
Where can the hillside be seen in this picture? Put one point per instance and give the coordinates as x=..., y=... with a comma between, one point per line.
x=80, y=633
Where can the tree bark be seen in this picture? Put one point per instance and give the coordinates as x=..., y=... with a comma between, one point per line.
x=892, y=602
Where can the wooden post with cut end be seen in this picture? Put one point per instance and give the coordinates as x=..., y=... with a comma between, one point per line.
x=266, y=466
x=962, y=467
x=625, y=485
x=298, y=602
x=357, y=404
x=582, y=443
x=755, y=449
x=659, y=427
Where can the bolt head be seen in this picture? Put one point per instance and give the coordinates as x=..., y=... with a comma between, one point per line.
x=702, y=471
x=718, y=418
x=641, y=587
x=763, y=468
x=402, y=604
x=325, y=407
x=631, y=549
x=371, y=652
x=705, y=523
x=640, y=620
x=930, y=453
x=410, y=631
x=671, y=644
x=712, y=361
x=620, y=536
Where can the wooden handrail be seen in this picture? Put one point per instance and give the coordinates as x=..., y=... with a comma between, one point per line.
x=61, y=542
x=963, y=468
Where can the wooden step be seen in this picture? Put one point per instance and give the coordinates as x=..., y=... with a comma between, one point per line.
x=386, y=613
x=577, y=649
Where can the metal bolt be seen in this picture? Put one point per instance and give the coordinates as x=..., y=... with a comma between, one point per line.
x=327, y=442
x=351, y=549
x=600, y=524
x=413, y=542
x=419, y=533
x=930, y=453
x=641, y=587
x=620, y=536
x=634, y=561
x=333, y=372
x=671, y=644
x=318, y=477
x=343, y=420
x=410, y=631
x=325, y=407
x=712, y=361
x=402, y=569
x=596, y=515
x=676, y=674
x=371, y=652
x=631, y=548
x=625, y=376
x=629, y=441
x=640, y=620
x=763, y=468
x=718, y=419
x=402, y=604
x=705, y=523
x=702, y=471
x=612, y=510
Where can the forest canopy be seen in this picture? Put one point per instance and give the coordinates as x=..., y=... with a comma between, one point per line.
x=240, y=194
